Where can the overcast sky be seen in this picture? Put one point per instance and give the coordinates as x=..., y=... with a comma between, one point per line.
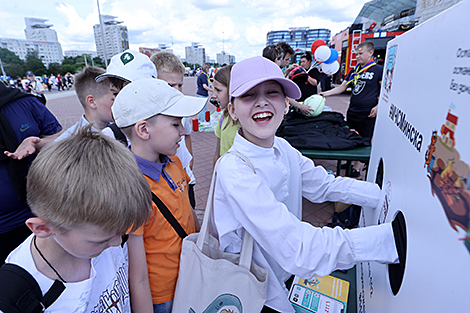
x=240, y=26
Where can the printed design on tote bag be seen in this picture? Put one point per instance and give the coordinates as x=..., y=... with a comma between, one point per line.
x=225, y=303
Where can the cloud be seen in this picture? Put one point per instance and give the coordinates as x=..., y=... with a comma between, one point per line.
x=224, y=29
x=339, y=11
x=206, y=5
x=76, y=31
x=238, y=27
x=256, y=35
x=10, y=19
x=274, y=8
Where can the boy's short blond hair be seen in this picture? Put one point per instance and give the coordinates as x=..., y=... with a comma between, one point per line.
x=86, y=85
x=167, y=62
x=88, y=179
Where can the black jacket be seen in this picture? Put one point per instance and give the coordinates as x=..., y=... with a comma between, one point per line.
x=327, y=131
x=17, y=169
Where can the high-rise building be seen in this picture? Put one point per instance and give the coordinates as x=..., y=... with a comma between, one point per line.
x=224, y=58
x=165, y=47
x=195, y=54
x=37, y=30
x=48, y=52
x=299, y=38
x=114, y=37
x=40, y=38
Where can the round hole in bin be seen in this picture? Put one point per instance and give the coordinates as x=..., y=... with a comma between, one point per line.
x=379, y=176
x=397, y=271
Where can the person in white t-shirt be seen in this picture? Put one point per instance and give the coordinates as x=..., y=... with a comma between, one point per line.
x=34, y=86
x=268, y=203
x=87, y=193
x=96, y=99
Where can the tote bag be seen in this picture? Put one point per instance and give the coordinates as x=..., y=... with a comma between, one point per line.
x=212, y=281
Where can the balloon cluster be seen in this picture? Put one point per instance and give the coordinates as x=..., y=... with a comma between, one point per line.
x=327, y=57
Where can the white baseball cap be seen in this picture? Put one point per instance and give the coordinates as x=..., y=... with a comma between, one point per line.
x=130, y=65
x=148, y=97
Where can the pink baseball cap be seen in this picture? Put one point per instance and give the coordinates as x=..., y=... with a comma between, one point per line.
x=256, y=70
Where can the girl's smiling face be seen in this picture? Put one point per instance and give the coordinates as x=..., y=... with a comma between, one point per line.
x=220, y=94
x=260, y=112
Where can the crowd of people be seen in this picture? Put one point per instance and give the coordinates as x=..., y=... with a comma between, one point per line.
x=51, y=82
x=87, y=208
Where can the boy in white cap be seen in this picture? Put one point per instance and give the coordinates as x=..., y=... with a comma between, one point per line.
x=149, y=113
x=172, y=71
x=123, y=69
x=128, y=66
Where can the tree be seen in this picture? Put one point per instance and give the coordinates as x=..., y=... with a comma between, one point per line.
x=34, y=64
x=69, y=61
x=99, y=62
x=69, y=68
x=55, y=68
x=12, y=64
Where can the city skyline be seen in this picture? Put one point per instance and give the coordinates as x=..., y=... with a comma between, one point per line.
x=239, y=28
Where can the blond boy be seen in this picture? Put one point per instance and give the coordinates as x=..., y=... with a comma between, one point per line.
x=86, y=192
x=149, y=112
x=171, y=69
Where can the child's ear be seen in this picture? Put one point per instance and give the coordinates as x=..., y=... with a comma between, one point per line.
x=141, y=129
x=286, y=110
x=231, y=111
x=39, y=227
x=91, y=101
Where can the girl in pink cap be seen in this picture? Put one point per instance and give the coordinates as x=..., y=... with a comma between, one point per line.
x=268, y=204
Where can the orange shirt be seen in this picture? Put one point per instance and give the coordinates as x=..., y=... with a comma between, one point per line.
x=162, y=243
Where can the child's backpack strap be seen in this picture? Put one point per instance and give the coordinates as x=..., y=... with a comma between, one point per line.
x=118, y=134
x=20, y=292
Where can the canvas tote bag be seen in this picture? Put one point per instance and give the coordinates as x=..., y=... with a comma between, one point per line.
x=212, y=281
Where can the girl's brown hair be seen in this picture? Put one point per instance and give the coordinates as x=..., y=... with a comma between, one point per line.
x=223, y=77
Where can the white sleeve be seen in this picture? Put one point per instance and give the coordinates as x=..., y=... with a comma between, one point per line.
x=187, y=125
x=318, y=186
x=298, y=247
x=39, y=85
x=108, y=132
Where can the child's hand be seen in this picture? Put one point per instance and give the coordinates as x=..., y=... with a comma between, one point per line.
x=289, y=69
x=305, y=109
x=25, y=149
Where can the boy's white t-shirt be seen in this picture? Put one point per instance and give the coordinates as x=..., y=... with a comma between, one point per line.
x=182, y=152
x=82, y=122
x=106, y=290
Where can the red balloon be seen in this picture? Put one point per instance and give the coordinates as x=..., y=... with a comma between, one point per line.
x=317, y=43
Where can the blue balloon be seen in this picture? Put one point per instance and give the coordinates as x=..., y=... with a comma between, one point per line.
x=333, y=56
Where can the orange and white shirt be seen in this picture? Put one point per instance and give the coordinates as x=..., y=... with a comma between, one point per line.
x=168, y=181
